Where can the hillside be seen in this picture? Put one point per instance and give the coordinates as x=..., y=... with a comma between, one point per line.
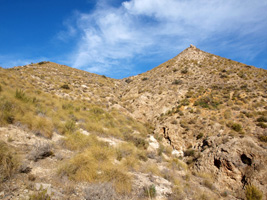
x=192, y=128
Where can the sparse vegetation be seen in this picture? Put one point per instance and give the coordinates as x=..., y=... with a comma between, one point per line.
x=207, y=102
x=144, y=79
x=262, y=125
x=189, y=152
x=150, y=191
x=263, y=138
x=184, y=71
x=253, y=193
x=262, y=119
x=98, y=141
x=40, y=151
x=235, y=126
x=8, y=161
x=65, y=86
x=41, y=195
x=177, y=82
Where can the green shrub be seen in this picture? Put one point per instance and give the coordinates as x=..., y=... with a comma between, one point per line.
x=43, y=62
x=184, y=71
x=235, y=126
x=41, y=195
x=144, y=79
x=177, y=82
x=20, y=94
x=65, y=86
x=150, y=191
x=207, y=102
x=70, y=126
x=185, y=102
x=263, y=138
x=262, y=125
x=189, y=152
x=253, y=193
x=128, y=80
x=6, y=112
x=199, y=136
x=262, y=119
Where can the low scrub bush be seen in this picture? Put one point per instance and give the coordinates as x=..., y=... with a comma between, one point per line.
x=128, y=80
x=177, y=82
x=199, y=136
x=150, y=191
x=8, y=162
x=262, y=119
x=263, y=138
x=43, y=62
x=42, y=127
x=144, y=79
x=262, y=125
x=95, y=165
x=6, y=115
x=235, y=126
x=41, y=195
x=207, y=102
x=184, y=71
x=65, y=86
x=21, y=95
x=253, y=193
x=40, y=151
x=139, y=142
x=70, y=126
x=189, y=152
x=79, y=141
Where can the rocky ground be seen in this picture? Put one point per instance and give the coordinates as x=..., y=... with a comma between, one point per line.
x=209, y=133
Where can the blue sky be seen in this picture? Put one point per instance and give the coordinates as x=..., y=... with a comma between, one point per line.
x=124, y=38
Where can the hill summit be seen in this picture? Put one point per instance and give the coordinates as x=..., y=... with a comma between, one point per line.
x=193, y=127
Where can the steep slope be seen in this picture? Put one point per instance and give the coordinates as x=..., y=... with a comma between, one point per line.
x=192, y=128
x=210, y=109
x=51, y=77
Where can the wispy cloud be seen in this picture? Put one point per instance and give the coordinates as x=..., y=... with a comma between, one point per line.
x=110, y=37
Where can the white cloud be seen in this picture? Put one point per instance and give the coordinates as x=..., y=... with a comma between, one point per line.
x=112, y=36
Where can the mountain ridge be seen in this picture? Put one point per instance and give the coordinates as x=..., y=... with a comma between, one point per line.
x=199, y=117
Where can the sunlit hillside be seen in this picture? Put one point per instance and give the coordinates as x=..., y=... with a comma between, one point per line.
x=192, y=128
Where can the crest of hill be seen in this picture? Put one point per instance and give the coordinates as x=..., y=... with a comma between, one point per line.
x=65, y=81
x=211, y=111
x=153, y=93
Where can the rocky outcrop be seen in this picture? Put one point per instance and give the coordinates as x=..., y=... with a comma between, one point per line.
x=235, y=162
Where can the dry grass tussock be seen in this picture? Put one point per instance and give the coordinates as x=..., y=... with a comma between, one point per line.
x=94, y=165
x=45, y=113
x=8, y=162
